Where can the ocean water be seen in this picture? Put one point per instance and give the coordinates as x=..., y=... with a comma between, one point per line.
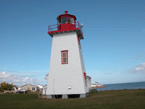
x=134, y=85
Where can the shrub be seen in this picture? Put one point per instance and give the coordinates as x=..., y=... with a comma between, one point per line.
x=28, y=90
x=5, y=86
x=1, y=89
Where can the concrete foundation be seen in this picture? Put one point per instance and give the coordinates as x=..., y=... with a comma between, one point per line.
x=82, y=95
x=64, y=96
x=49, y=96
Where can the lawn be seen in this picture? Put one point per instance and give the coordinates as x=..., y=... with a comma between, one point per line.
x=120, y=99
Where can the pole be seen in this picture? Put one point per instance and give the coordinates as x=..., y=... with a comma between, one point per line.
x=53, y=89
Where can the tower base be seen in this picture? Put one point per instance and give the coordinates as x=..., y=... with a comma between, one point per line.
x=66, y=96
x=82, y=95
x=49, y=96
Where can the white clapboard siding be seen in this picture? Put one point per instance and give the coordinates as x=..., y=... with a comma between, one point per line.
x=66, y=78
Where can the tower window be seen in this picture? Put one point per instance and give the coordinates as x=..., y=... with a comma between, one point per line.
x=64, y=20
x=72, y=20
x=64, y=57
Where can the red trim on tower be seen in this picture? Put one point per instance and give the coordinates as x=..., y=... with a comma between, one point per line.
x=85, y=78
x=54, y=29
x=79, y=40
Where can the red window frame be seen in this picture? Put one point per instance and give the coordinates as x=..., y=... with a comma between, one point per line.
x=66, y=56
x=85, y=78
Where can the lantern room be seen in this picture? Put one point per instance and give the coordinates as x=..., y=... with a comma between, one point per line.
x=66, y=23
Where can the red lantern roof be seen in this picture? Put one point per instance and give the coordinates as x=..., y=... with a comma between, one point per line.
x=66, y=15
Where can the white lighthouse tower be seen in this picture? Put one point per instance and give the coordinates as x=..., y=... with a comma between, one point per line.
x=66, y=72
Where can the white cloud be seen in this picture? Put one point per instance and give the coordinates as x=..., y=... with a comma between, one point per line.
x=16, y=79
x=138, y=69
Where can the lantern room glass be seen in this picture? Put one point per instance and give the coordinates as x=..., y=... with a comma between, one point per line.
x=71, y=20
x=65, y=20
x=59, y=22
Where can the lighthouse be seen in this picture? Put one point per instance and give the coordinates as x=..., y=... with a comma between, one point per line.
x=67, y=74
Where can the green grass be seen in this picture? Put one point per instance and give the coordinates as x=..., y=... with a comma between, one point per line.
x=120, y=99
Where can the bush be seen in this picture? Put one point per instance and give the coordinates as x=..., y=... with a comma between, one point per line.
x=1, y=89
x=94, y=91
x=28, y=90
x=5, y=86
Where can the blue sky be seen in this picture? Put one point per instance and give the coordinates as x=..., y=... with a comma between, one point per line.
x=113, y=46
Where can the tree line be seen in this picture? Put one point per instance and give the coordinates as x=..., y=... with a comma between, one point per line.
x=5, y=86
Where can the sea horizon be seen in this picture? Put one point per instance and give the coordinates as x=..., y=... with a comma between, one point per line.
x=122, y=86
x=122, y=83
